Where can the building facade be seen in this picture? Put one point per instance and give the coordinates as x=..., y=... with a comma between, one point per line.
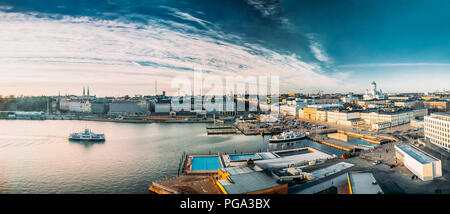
x=437, y=130
x=425, y=166
x=394, y=118
x=128, y=107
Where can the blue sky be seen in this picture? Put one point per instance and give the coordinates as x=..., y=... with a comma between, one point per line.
x=120, y=47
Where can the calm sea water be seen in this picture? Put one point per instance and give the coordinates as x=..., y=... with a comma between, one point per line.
x=37, y=157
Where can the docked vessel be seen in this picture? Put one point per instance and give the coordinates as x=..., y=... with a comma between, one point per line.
x=87, y=135
x=286, y=136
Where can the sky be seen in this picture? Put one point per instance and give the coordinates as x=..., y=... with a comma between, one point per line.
x=120, y=47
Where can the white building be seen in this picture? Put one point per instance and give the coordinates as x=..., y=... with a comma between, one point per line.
x=79, y=106
x=437, y=129
x=341, y=116
x=425, y=166
x=289, y=110
x=349, y=99
x=373, y=94
x=394, y=118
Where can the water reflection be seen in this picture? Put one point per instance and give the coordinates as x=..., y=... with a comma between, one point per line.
x=86, y=144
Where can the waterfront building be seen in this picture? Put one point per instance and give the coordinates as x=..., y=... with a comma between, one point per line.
x=99, y=106
x=373, y=93
x=64, y=104
x=163, y=105
x=425, y=166
x=437, y=130
x=342, y=117
x=128, y=107
x=75, y=105
x=393, y=117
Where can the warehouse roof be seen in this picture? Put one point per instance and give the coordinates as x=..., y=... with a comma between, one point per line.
x=363, y=183
x=416, y=154
x=249, y=182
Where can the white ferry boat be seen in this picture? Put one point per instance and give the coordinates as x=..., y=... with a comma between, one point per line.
x=87, y=135
x=286, y=136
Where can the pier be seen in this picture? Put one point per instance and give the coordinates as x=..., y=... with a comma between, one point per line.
x=211, y=130
x=335, y=144
x=221, y=131
x=370, y=139
x=219, y=127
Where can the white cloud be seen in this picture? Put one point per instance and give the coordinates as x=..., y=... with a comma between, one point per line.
x=318, y=50
x=71, y=51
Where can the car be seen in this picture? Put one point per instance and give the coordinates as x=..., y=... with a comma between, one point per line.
x=376, y=162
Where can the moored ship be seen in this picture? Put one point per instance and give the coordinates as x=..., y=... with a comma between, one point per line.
x=286, y=136
x=87, y=135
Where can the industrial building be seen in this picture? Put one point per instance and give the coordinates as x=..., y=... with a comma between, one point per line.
x=437, y=130
x=425, y=166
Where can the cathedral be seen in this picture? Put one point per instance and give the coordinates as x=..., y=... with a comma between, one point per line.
x=373, y=94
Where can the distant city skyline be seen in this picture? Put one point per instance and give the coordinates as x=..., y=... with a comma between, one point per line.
x=121, y=47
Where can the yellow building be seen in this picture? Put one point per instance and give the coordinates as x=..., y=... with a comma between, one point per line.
x=437, y=105
x=310, y=113
x=431, y=97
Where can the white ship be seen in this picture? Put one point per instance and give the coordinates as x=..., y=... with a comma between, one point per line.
x=87, y=135
x=286, y=136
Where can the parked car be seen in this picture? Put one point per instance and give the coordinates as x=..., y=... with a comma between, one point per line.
x=376, y=162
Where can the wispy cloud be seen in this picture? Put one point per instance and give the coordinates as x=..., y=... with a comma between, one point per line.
x=412, y=64
x=318, y=50
x=266, y=7
x=40, y=48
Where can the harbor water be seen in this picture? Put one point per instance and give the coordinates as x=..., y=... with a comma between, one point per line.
x=37, y=157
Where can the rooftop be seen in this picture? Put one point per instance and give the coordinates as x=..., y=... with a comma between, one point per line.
x=293, y=160
x=416, y=154
x=363, y=183
x=441, y=116
x=249, y=182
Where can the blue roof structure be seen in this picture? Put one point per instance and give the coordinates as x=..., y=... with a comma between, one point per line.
x=416, y=154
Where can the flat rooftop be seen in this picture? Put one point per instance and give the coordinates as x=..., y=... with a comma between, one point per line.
x=441, y=116
x=363, y=183
x=416, y=154
x=293, y=160
x=240, y=170
x=248, y=182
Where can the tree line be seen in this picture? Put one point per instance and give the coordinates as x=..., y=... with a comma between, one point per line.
x=12, y=103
